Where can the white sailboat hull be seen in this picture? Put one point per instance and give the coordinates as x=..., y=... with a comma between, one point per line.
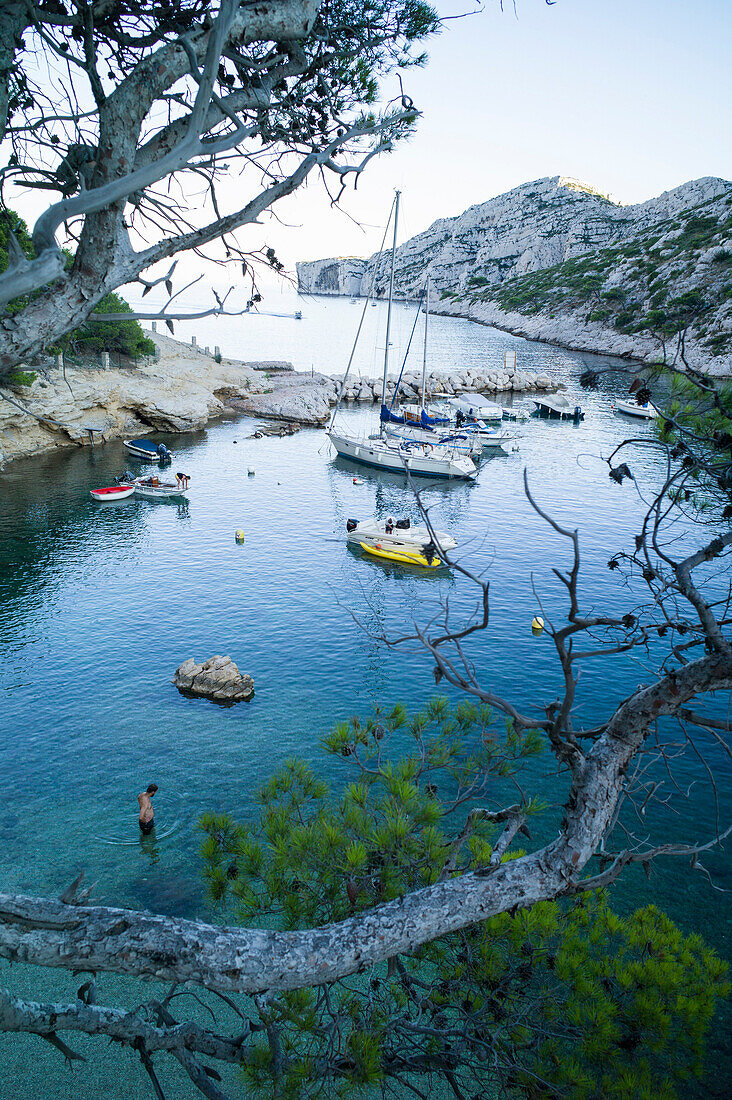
x=401, y=458
x=467, y=445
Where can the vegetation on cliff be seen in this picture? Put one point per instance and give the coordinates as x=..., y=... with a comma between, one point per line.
x=674, y=277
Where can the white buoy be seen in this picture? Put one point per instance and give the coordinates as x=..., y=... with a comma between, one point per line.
x=250, y=471
x=537, y=625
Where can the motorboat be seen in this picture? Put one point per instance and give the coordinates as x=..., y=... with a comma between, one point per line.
x=474, y=406
x=426, y=560
x=403, y=455
x=147, y=450
x=152, y=488
x=557, y=407
x=630, y=408
x=112, y=492
x=400, y=534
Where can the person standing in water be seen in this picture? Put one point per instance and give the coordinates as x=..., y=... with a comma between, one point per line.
x=147, y=814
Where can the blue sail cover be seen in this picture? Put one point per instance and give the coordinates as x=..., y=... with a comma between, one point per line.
x=430, y=421
x=388, y=417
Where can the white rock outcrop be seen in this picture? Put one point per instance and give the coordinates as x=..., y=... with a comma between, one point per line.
x=218, y=679
x=180, y=391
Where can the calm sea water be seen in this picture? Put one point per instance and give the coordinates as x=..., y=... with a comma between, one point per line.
x=99, y=605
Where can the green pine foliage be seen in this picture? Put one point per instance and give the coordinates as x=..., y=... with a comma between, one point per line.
x=563, y=999
x=123, y=337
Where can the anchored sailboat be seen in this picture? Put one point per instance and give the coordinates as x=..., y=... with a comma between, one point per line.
x=416, y=457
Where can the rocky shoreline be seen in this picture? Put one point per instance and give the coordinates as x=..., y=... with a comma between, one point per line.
x=184, y=388
x=556, y=261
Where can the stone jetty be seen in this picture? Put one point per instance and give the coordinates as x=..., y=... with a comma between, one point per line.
x=486, y=380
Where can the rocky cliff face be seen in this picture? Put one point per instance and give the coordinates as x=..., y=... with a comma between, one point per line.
x=181, y=391
x=557, y=261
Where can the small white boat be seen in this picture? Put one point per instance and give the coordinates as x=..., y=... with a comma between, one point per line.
x=112, y=492
x=630, y=408
x=152, y=488
x=147, y=450
x=474, y=406
x=402, y=536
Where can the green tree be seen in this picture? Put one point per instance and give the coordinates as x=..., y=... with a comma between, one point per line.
x=124, y=337
x=564, y=998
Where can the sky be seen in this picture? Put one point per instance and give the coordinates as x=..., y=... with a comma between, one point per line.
x=631, y=96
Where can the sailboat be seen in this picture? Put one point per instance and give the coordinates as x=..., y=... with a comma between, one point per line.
x=413, y=422
x=416, y=457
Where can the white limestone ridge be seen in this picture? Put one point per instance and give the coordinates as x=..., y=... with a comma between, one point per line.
x=530, y=228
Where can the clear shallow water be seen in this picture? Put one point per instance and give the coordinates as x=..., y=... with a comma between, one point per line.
x=100, y=604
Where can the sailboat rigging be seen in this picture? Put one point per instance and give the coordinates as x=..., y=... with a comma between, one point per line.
x=400, y=455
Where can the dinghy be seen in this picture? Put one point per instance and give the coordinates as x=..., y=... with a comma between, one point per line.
x=630, y=408
x=147, y=450
x=152, y=488
x=404, y=557
x=402, y=536
x=113, y=492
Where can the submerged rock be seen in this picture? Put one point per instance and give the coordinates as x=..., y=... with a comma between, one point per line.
x=218, y=679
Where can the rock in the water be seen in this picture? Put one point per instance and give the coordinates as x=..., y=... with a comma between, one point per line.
x=218, y=679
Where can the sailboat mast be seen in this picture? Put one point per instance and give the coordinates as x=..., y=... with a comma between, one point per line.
x=391, y=298
x=424, y=357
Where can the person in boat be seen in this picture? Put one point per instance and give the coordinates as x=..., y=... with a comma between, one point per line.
x=147, y=814
x=389, y=526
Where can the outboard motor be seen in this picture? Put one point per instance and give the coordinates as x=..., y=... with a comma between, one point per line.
x=578, y=414
x=163, y=452
x=404, y=524
x=351, y=524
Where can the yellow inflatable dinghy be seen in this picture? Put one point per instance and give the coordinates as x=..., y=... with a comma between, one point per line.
x=405, y=557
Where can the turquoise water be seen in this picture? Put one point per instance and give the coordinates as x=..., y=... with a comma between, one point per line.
x=100, y=604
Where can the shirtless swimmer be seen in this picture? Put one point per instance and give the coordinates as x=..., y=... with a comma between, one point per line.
x=147, y=814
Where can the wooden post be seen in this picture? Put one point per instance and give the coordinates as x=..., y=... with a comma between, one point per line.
x=193, y=341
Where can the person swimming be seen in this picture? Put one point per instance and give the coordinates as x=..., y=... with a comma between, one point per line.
x=147, y=814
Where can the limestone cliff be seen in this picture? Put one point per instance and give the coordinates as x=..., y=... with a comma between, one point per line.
x=560, y=262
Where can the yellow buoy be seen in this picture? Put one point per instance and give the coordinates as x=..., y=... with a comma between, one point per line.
x=239, y=536
x=537, y=625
